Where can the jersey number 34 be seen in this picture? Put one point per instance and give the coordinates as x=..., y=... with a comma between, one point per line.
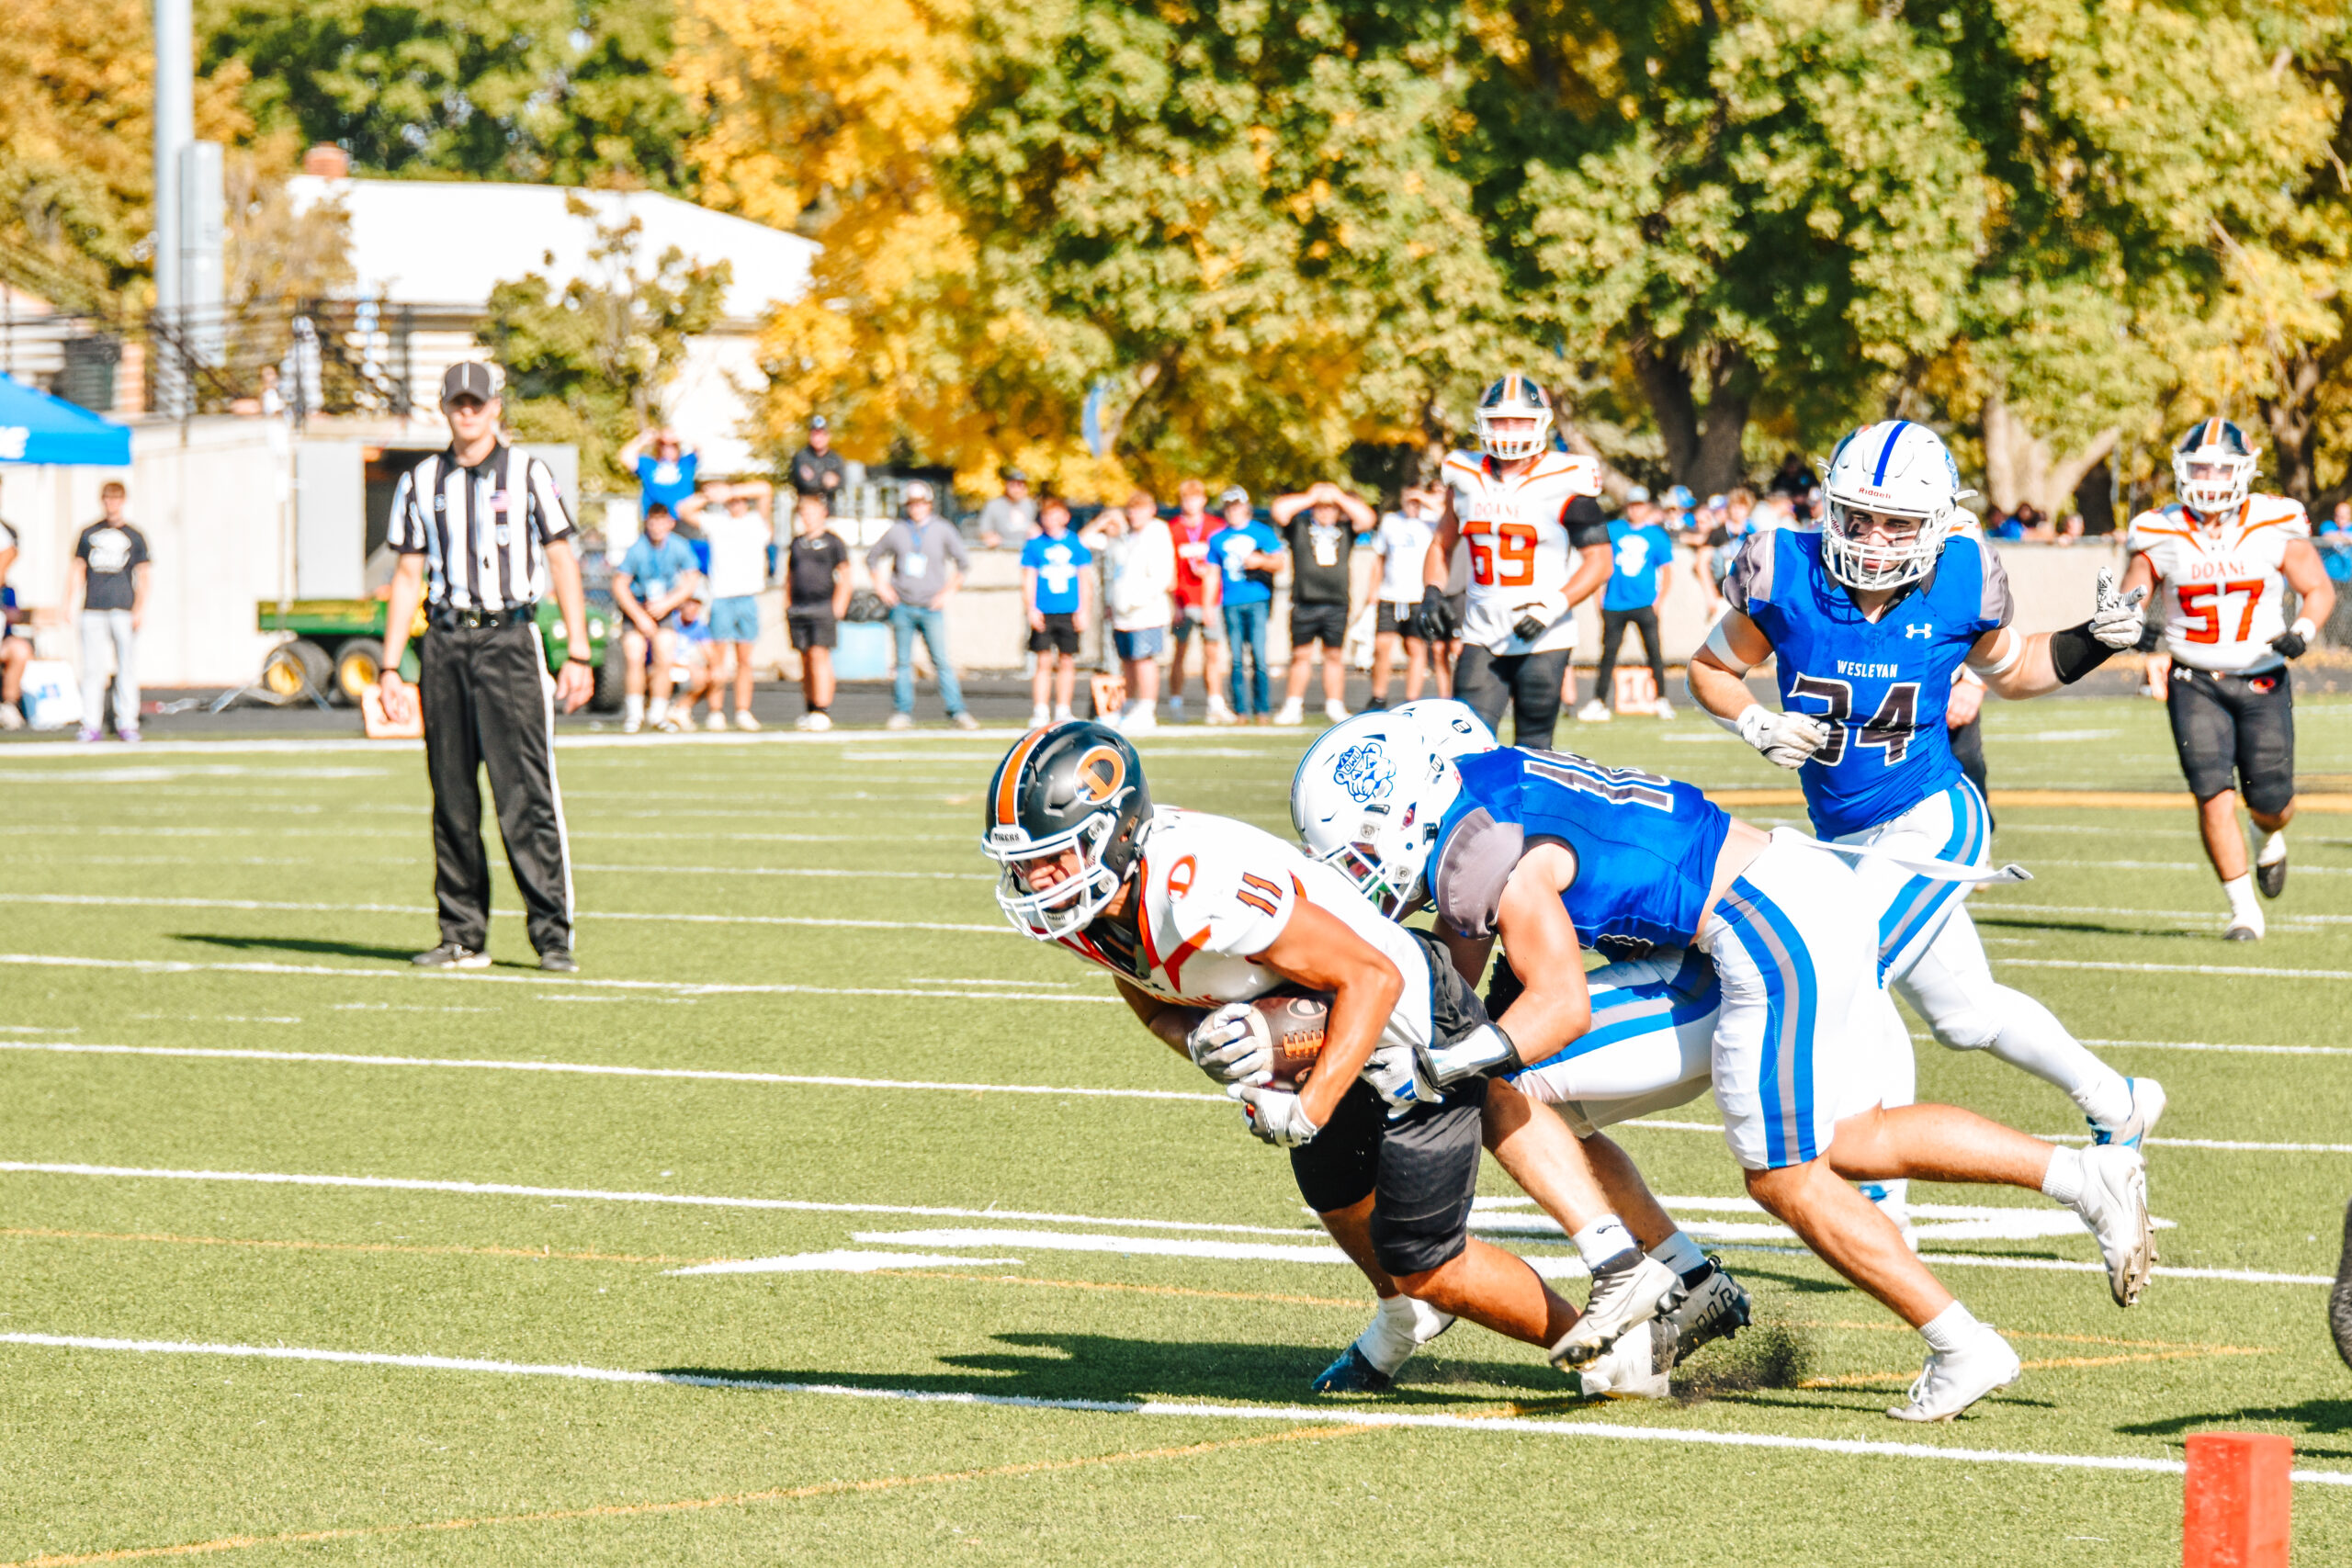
x=1889, y=729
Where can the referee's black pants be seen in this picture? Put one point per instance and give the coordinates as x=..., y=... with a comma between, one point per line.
x=487, y=705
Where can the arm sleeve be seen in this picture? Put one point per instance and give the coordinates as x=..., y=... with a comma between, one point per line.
x=1586, y=522
x=1998, y=609
x=549, y=515
x=406, y=535
x=1748, y=585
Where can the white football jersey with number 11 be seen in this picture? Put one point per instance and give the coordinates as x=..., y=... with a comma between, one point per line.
x=1520, y=551
x=2220, y=590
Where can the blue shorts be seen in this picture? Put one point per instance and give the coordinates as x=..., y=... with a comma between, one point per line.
x=735, y=619
x=1145, y=644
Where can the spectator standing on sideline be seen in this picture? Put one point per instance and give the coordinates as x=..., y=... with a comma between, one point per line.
x=1244, y=554
x=108, y=574
x=1793, y=479
x=653, y=583
x=1641, y=554
x=817, y=584
x=1013, y=516
x=1318, y=526
x=1403, y=544
x=15, y=652
x=927, y=562
x=1197, y=612
x=488, y=526
x=739, y=530
x=1138, y=577
x=666, y=469
x=817, y=468
x=1057, y=591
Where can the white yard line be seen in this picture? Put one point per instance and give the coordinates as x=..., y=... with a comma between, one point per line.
x=2245, y=971
x=1180, y=1410
x=788, y=871
x=2201, y=917
x=565, y=982
x=104, y=900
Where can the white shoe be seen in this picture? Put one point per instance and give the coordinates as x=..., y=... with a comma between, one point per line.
x=899, y=721
x=1062, y=716
x=802, y=722
x=2147, y=1110
x=1038, y=717
x=1952, y=1382
x=2114, y=1204
x=820, y=721
x=632, y=724
x=10, y=717
x=715, y=723
x=1717, y=1307
x=1594, y=712
x=2246, y=925
x=1622, y=1299
x=1291, y=715
x=1663, y=709
x=747, y=721
x=1218, y=713
x=1140, y=722
x=1634, y=1368
x=1336, y=712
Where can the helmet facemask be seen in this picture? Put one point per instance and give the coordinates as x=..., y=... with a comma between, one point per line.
x=1071, y=903
x=1869, y=549
x=2213, y=484
x=1517, y=401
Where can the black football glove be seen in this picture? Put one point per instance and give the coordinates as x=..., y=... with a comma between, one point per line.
x=1527, y=628
x=1433, y=621
x=2151, y=637
x=2288, y=644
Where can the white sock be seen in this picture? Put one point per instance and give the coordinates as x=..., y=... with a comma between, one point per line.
x=1400, y=1326
x=657, y=710
x=2064, y=1182
x=2274, y=848
x=633, y=708
x=1680, y=1253
x=1605, y=1238
x=2241, y=892
x=2032, y=1038
x=1950, y=1329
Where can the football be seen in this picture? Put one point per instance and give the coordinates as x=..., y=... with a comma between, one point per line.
x=1293, y=1024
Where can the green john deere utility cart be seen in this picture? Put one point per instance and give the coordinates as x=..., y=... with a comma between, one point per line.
x=337, y=649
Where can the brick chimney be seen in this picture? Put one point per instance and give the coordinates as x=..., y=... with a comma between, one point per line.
x=328, y=161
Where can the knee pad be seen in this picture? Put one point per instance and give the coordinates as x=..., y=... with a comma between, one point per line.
x=2269, y=796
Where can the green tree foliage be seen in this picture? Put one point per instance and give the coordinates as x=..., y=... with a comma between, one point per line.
x=1239, y=217
x=569, y=92
x=585, y=364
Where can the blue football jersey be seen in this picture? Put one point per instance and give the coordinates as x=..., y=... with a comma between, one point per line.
x=1882, y=684
x=1646, y=846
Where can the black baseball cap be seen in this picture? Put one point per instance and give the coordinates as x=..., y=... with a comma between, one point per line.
x=468, y=379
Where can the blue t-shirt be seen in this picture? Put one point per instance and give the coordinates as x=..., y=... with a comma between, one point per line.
x=1883, y=684
x=654, y=569
x=1229, y=546
x=1639, y=555
x=667, y=482
x=1057, y=562
x=1644, y=846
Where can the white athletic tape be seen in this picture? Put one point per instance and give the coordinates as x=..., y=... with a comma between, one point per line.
x=110, y=901
x=563, y=982
x=1182, y=1410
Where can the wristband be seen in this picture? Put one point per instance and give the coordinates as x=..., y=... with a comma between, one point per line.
x=2074, y=653
x=576, y=659
x=2304, y=629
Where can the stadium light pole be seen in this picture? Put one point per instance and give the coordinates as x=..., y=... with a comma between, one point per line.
x=175, y=130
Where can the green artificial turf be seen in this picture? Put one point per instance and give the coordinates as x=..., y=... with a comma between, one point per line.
x=266, y=901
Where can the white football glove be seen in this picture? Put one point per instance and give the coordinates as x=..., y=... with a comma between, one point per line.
x=1224, y=1046
x=1402, y=1079
x=1787, y=739
x=2115, y=617
x=1272, y=1116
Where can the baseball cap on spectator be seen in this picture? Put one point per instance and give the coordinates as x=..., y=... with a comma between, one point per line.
x=468, y=379
x=817, y=421
x=1234, y=495
x=1637, y=493
x=1718, y=504
x=918, y=491
x=1015, y=477
x=1679, y=496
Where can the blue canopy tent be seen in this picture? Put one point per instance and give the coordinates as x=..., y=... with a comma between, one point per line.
x=38, y=428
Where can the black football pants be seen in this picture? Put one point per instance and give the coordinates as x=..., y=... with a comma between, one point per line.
x=1528, y=684
x=1612, y=637
x=488, y=704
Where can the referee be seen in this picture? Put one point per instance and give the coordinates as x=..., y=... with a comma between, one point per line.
x=481, y=533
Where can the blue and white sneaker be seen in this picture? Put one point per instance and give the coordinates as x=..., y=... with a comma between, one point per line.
x=1399, y=1326
x=1354, y=1374
x=2147, y=1110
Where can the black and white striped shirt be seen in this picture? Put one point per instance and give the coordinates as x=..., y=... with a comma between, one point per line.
x=482, y=530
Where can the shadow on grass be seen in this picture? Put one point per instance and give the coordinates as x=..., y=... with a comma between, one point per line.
x=310, y=945
x=2312, y=1415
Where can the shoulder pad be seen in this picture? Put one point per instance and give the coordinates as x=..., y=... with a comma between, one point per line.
x=1996, y=608
x=2283, y=510
x=1750, y=578
x=1472, y=867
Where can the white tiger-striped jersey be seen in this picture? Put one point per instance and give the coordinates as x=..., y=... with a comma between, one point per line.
x=1523, y=533
x=2219, y=589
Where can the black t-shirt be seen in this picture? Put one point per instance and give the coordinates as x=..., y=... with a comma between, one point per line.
x=809, y=566
x=108, y=553
x=1318, y=559
x=812, y=468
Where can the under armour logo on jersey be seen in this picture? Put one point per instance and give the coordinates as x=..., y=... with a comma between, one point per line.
x=1918, y=629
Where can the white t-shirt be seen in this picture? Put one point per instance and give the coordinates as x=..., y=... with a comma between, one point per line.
x=1403, y=544
x=738, y=552
x=1138, y=571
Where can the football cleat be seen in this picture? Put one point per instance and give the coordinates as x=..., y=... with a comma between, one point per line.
x=451, y=955
x=2147, y=1108
x=2114, y=1204
x=1952, y=1381
x=1622, y=1299
x=1354, y=1374
x=1717, y=1307
x=1634, y=1368
x=2339, y=1299
x=2271, y=876
x=2246, y=925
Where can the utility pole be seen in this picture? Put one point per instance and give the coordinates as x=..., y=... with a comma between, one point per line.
x=174, y=131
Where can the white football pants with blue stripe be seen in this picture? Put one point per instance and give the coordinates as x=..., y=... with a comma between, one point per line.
x=1648, y=1047
x=1929, y=953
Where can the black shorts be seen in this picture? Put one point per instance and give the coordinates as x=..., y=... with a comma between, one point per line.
x=1325, y=624
x=1420, y=1169
x=2235, y=731
x=817, y=630
x=1393, y=618
x=1060, y=635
